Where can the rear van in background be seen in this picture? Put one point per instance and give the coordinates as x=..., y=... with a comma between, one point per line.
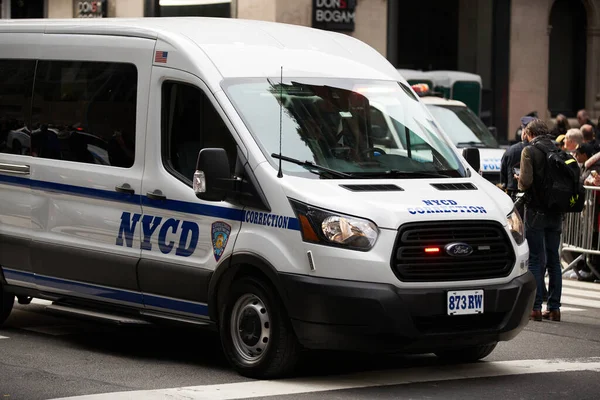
x=229, y=174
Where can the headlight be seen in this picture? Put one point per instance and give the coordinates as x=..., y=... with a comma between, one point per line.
x=517, y=229
x=333, y=229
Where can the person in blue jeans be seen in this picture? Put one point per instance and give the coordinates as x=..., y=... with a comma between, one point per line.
x=542, y=228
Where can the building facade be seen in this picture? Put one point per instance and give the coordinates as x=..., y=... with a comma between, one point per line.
x=532, y=55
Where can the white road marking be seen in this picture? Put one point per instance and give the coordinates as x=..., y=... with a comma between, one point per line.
x=572, y=289
x=579, y=284
x=3, y=337
x=576, y=301
x=578, y=292
x=254, y=389
x=569, y=309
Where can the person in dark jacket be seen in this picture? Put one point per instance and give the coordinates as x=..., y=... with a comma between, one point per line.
x=509, y=165
x=588, y=160
x=543, y=228
x=519, y=132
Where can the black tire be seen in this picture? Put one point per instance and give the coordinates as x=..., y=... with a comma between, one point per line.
x=6, y=304
x=466, y=354
x=276, y=351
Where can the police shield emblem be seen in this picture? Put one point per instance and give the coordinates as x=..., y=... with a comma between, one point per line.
x=220, y=235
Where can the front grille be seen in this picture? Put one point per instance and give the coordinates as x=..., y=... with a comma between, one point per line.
x=492, y=256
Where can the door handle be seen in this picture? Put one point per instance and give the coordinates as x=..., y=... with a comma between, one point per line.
x=125, y=188
x=156, y=195
x=18, y=169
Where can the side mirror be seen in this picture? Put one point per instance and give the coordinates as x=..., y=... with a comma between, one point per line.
x=493, y=131
x=471, y=154
x=212, y=179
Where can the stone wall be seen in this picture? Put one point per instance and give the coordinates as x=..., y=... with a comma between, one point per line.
x=529, y=58
x=60, y=8
x=370, y=20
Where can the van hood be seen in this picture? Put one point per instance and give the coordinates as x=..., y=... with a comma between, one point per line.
x=417, y=200
x=491, y=159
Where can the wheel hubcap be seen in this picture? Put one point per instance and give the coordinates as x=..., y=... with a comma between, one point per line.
x=250, y=328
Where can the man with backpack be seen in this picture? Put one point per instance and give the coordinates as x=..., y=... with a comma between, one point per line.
x=550, y=179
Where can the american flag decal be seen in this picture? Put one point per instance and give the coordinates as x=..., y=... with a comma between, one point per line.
x=161, y=56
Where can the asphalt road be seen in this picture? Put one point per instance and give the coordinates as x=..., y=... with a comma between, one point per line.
x=47, y=357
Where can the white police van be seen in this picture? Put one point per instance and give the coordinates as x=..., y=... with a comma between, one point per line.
x=465, y=129
x=240, y=188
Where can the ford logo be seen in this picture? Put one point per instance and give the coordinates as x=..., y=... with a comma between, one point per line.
x=458, y=249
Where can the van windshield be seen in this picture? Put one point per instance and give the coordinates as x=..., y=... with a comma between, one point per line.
x=358, y=128
x=463, y=126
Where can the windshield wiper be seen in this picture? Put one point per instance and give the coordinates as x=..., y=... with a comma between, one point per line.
x=309, y=165
x=473, y=144
x=394, y=173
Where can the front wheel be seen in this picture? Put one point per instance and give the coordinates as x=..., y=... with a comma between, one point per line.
x=466, y=354
x=6, y=304
x=256, y=333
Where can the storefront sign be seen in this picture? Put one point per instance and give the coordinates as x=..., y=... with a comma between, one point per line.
x=334, y=15
x=90, y=8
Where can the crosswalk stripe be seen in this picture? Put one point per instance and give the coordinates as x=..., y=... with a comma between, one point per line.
x=577, y=293
x=568, y=309
x=580, y=285
x=583, y=293
x=576, y=301
x=254, y=389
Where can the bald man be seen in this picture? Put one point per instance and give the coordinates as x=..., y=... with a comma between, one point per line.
x=584, y=119
x=589, y=137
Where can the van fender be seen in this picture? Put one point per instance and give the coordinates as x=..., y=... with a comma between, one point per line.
x=240, y=264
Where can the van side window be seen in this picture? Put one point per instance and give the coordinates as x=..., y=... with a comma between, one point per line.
x=16, y=85
x=85, y=112
x=190, y=123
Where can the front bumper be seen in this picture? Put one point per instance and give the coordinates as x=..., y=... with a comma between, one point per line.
x=347, y=315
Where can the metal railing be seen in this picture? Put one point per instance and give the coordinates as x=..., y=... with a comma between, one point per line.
x=580, y=231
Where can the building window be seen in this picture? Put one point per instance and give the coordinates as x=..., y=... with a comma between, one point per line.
x=567, y=61
x=26, y=8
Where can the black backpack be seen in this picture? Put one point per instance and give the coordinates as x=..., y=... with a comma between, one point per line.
x=561, y=189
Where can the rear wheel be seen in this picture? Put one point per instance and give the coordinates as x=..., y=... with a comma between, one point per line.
x=256, y=333
x=466, y=354
x=6, y=304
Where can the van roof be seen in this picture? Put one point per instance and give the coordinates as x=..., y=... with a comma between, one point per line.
x=237, y=47
x=440, y=101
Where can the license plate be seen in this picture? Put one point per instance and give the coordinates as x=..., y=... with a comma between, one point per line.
x=463, y=302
